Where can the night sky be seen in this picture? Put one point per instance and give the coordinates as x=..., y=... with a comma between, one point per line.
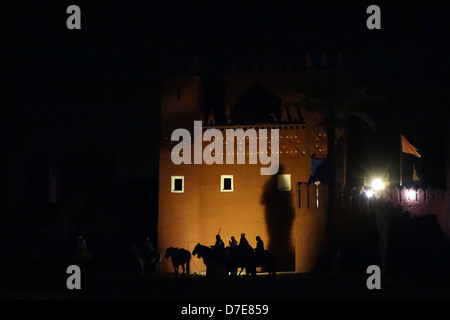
x=83, y=94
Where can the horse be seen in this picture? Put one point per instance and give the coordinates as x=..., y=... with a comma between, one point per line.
x=150, y=259
x=153, y=259
x=179, y=257
x=268, y=261
x=237, y=257
x=214, y=260
x=246, y=258
x=220, y=263
x=136, y=255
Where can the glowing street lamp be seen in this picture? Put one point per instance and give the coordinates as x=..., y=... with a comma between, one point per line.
x=377, y=184
x=411, y=194
x=369, y=193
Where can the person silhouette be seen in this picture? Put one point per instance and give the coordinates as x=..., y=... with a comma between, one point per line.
x=219, y=243
x=259, y=246
x=81, y=247
x=243, y=242
x=81, y=244
x=218, y=249
x=244, y=247
x=259, y=250
x=148, y=244
x=233, y=243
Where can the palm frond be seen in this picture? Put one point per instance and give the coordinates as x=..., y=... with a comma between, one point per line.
x=365, y=117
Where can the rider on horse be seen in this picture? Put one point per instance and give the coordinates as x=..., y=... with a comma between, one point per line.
x=219, y=243
x=259, y=251
x=233, y=243
x=218, y=248
x=244, y=246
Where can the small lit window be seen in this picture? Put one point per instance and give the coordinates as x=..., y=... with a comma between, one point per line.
x=177, y=184
x=284, y=182
x=226, y=183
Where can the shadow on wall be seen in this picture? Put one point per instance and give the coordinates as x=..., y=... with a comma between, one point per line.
x=279, y=214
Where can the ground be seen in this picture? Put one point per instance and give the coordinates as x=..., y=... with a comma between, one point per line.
x=417, y=267
x=116, y=284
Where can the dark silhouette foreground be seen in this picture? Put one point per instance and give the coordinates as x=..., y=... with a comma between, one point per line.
x=180, y=257
x=221, y=263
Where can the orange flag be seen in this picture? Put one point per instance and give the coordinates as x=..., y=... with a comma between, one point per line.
x=409, y=148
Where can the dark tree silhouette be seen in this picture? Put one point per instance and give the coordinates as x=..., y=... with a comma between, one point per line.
x=336, y=95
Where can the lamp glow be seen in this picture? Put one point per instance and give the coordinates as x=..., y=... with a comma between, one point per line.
x=370, y=193
x=411, y=194
x=377, y=184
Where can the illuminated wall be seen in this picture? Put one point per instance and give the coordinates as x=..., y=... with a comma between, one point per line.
x=255, y=205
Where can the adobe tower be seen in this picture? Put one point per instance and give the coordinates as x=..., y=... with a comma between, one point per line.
x=196, y=200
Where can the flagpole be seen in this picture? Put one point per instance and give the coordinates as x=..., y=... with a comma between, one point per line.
x=401, y=154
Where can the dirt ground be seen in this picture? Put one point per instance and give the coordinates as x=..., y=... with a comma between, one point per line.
x=117, y=284
x=418, y=267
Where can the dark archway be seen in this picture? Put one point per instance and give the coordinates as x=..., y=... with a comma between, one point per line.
x=256, y=105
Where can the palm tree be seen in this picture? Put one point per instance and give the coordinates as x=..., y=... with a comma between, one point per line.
x=336, y=95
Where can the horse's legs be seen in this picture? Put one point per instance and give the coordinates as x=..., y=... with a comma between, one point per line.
x=158, y=267
x=182, y=266
x=141, y=265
